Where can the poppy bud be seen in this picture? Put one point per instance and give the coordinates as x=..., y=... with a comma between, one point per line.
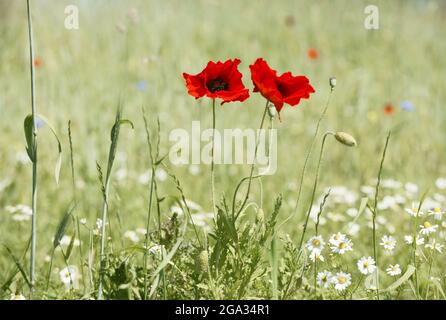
x=345, y=139
x=202, y=262
x=332, y=82
x=272, y=111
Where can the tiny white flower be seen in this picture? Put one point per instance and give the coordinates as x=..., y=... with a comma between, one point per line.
x=316, y=243
x=121, y=174
x=366, y=265
x=388, y=242
x=83, y=221
x=145, y=177
x=324, y=279
x=17, y=296
x=433, y=245
x=131, y=235
x=316, y=255
x=142, y=231
x=409, y=240
x=441, y=183
x=427, y=228
x=391, y=184
x=411, y=187
x=194, y=169
x=413, y=211
x=437, y=213
x=341, y=281
x=353, y=228
x=340, y=244
x=393, y=270
x=161, y=174
x=69, y=276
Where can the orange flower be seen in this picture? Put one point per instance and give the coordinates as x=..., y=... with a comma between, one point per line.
x=388, y=109
x=313, y=54
x=37, y=62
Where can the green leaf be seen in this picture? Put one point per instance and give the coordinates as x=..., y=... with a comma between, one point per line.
x=18, y=265
x=70, y=247
x=117, y=124
x=62, y=226
x=29, y=135
x=410, y=270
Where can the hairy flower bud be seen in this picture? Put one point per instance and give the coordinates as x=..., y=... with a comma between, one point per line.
x=345, y=139
x=332, y=82
x=202, y=262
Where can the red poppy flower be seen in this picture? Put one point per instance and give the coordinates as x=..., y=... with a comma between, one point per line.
x=279, y=89
x=218, y=80
x=313, y=54
x=37, y=62
x=388, y=109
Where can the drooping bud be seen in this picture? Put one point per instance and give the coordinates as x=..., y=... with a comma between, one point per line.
x=332, y=82
x=272, y=111
x=345, y=139
x=202, y=262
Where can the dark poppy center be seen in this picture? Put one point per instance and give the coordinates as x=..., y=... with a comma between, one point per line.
x=218, y=84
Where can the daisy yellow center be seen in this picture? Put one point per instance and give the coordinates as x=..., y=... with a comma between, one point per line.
x=366, y=264
x=342, y=245
x=316, y=243
x=437, y=210
x=427, y=224
x=342, y=279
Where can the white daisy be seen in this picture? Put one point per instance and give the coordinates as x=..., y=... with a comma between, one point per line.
x=437, y=213
x=433, y=245
x=411, y=187
x=366, y=265
x=316, y=255
x=69, y=276
x=161, y=174
x=131, y=235
x=341, y=281
x=17, y=296
x=342, y=246
x=441, y=183
x=393, y=270
x=315, y=243
x=323, y=279
x=413, y=211
x=388, y=242
x=409, y=240
x=427, y=228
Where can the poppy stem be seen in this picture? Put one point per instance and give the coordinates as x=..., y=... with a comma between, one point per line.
x=252, y=167
x=34, y=152
x=313, y=192
x=212, y=160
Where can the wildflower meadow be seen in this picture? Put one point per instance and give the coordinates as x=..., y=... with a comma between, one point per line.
x=222, y=150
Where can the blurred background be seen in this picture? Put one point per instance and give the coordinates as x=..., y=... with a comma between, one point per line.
x=391, y=78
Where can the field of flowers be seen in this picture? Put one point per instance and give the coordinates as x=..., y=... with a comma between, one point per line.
x=92, y=206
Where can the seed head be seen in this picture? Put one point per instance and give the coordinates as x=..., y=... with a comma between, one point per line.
x=202, y=262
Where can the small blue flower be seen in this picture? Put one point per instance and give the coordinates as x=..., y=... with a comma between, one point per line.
x=407, y=105
x=39, y=123
x=142, y=85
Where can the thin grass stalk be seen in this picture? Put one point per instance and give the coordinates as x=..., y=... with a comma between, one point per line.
x=307, y=158
x=149, y=211
x=374, y=213
x=235, y=215
x=313, y=194
x=34, y=151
